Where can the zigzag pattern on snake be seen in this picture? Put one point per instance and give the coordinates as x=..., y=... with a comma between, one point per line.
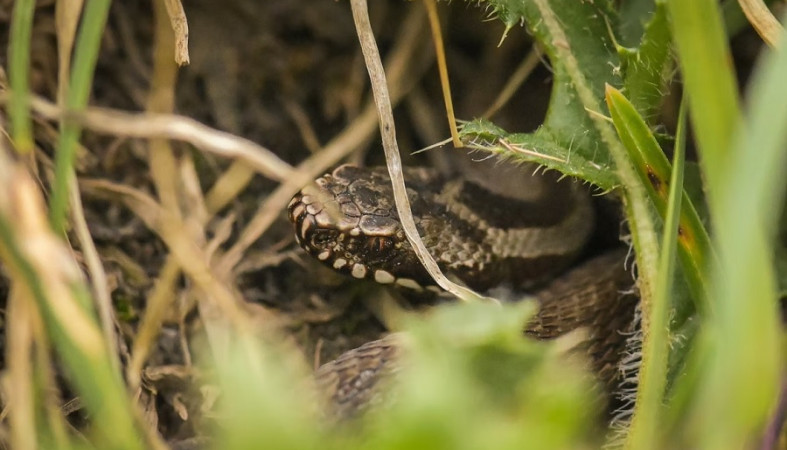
x=480, y=236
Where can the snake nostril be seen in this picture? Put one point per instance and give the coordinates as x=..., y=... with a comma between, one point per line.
x=322, y=238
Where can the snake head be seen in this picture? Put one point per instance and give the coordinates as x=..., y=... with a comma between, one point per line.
x=347, y=220
x=479, y=233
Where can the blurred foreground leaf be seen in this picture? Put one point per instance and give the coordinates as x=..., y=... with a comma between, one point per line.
x=470, y=379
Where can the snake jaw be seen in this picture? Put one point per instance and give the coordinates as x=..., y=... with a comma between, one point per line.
x=347, y=227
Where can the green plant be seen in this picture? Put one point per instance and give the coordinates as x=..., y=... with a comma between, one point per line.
x=712, y=350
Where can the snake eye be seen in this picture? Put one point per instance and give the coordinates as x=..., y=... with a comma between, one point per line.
x=379, y=245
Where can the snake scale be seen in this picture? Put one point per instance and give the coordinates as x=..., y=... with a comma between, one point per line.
x=483, y=231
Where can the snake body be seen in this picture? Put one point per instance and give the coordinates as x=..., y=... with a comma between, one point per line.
x=482, y=236
x=348, y=221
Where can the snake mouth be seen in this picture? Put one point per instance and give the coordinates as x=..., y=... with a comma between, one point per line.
x=317, y=232
x=303, y=221
x=319, y=241
x=352, y=244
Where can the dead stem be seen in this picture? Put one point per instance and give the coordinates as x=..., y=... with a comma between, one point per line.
x=393, y=159
x=169, y=126
x=402, y=73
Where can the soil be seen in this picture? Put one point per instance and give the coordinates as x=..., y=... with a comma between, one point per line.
x=289, y=76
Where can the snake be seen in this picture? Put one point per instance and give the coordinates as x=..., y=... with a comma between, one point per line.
x=483, y=232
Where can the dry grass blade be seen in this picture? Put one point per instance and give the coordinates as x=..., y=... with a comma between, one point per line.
x=43, y=268
x=301, y=120
x=220, y=306
x=67, y=14
x=761, y=18
x=20, y=340
x=271, y=207
x=98, y=278
x=393, y=159
x=161, y=99
x=403, y=66
x=181, y=244
x=177, y=17
x=163, y=170
x=437, y=38
x=168, y=126
x=514, y=82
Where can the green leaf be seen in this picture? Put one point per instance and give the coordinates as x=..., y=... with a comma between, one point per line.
x=702, y=47
x=743, y=342
x=646, y=428
x=540, y=147
x=654, y=171
x=647, y=68
x=633, y=18
x=568, y=140
x=474, y=381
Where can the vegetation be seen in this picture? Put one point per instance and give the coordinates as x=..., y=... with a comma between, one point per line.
x=711, y=279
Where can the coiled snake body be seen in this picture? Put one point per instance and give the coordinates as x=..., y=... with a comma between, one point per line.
x=480, y=232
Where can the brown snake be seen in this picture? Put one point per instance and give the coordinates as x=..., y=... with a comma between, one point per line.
x=483, y=234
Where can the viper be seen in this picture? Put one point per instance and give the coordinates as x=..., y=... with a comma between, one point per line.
x=491, y=226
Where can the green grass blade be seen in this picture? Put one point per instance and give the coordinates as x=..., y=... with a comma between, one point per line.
x=706, y=64
x=19, y=73
x=86, y=54
x=745, y=352
x=89, y=367
x=646, y=429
